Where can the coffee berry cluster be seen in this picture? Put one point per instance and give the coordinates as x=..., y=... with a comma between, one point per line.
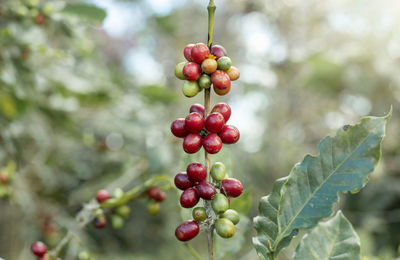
x=209, y=132
x=40, y=250
x=205, y=67
x=120, y=213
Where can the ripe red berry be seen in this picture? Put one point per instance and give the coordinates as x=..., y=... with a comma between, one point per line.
x=178, y=128
x=212, y=143
x=192, y=143
x=218, y=51
x=102, y=195
x=222, y=92
x=196, y=172
x=199, y=108
x=214, y=122
x=205, y=190
x=200, y=52
x=229, y=134
x=156, y=194
x=220, y=79
x=40, y=19
x=100, y=221
x=187, y=52
x=192, y=71
x=39, y=248
x=182, y=181
x=187, y=230
x=194, y=122
x=224, y=109
x=189, y=198
x=231, y=187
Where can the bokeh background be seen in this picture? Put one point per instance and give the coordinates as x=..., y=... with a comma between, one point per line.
x=87, y=93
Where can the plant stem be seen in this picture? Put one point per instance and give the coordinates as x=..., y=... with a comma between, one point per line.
x=210, y=231
x=193, y=252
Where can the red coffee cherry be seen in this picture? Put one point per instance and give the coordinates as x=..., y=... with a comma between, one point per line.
x=212, y=143
x=222, y=92
x=220, y=79
x=218, y=51
x=194, y=122
x=200, y=52
x=189, y=198
x=214, y=122
x=192, y=143
x=187, y=52
x=156, y=194
x=187, y=230
x=196, y=172
x=178, y=128
x=39, y=248
x=229, y=134
x=199, y=108
x=182, y=181
x=231, y=187
x=224, y=109
x=192, y=71
x=205, y=190
x=102, y=195
x=100, y=221
x=40, y=19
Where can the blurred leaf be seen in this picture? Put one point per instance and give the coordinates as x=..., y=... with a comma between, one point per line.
x=333, y=239
x=156, y=93
x=86, y=11
x=232, y=245
x=242, y=204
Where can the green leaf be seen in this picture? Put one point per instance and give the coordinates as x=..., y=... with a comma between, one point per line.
x=242, y=204
x=232, y=245
x=86, y=11
x=343, y=165
x=333, y=239
x=266, y=223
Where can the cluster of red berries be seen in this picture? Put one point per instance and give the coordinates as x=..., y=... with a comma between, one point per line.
x=204, y=68
x=121, y=213
x=40, y=250
x=209, y=132
x=194, y=185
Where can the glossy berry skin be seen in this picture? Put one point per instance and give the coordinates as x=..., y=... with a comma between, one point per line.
x=218, y=51
x=200, y=52
x=232, y=215
x=219, y=203
x=214, y=122
x=199, y=108
x=178, y=128
x=225, y=228
x=102, y=195
x=231, y=187
x=196, y=172
x=220, y=80
x=179, y=70
x=224, y=109
x=218, y=171
x=233, y=73
x=192, y=143
x=222, y=92
x=205, y=190
x=187, y=230
x=205, y=81
x=187, y=52
x=156, y=194
x=194, y=122
x=100, y=221
x=209, y=66
x=190, y=88
x=189, y=198
x=182, y=181
x=224, y=63
x=212, y=143
x=192, y=71
x=39, y=248
x=199, y=214
x=229, y=134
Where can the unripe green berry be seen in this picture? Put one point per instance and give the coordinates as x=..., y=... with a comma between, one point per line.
x=190, y=88
x=225, y=228
x=153, y=207
x=199, y=214
x=118, y=193
x=232, y=215
x=218, y=171
x=205, y=81
x=219, y=203
x=179, y=70
x=224, y=63
x=123, y=211
x=117, y=222
x=84, y=255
